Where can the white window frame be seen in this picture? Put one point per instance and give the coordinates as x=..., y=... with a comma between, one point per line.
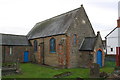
x=11, y=50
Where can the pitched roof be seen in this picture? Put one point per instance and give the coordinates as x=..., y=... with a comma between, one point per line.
x=53, y=26
x=88, y=44
x=111, y=32
x=13, y=40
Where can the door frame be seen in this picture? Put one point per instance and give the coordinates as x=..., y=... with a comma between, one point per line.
x=42, y=56
x=102, y=55
x=27, y=56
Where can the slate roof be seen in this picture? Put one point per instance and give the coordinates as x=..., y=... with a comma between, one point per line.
x=13, y=40
x=53, y=26
x=88, y=44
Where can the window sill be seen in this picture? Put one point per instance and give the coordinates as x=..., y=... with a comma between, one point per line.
x=52, y=52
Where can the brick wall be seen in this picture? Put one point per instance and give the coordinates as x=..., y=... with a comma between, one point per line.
x=36, y=54
x=17, y=52
x=51, y=59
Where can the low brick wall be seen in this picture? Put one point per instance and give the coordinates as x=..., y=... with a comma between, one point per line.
x=110, y=58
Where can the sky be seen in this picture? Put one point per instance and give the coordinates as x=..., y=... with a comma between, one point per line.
x=20, y=16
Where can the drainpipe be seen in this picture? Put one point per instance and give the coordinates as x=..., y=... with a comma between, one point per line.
x=43, y=52
x=67, y=51
x=106, y=45
x=4, y=54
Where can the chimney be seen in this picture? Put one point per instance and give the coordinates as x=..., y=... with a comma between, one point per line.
x=81, y=5
x=98, y=33
x=118, y=21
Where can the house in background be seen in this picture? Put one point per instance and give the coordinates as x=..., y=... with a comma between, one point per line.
x=113, y=38
x=15, y=47
x=67, y=40
x=113, y=42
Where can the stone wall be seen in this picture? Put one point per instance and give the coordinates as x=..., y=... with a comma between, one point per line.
x=82, y=27
x=99, y=46
x=85, y=59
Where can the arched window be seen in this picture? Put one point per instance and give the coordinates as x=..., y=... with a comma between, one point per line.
x=35, y=45
x=75, y=38
x=52, y=45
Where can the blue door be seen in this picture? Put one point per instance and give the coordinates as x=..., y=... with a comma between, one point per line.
x=99, y=58
x=26, y=56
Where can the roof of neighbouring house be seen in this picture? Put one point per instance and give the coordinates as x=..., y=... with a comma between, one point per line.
x=88, y=44
x=13, y=40
x=111, y=32
x=53, y=26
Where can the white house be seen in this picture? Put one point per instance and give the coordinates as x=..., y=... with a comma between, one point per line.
x=113, y=38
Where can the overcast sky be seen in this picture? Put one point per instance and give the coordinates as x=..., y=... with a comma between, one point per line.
x=20, y=16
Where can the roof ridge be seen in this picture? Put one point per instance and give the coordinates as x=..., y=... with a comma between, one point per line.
x=91, y=37
x=12, y=34
x=111, y=32
x=92, y=41
x=63, y=13
x=52, y=18
x=59, y=15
